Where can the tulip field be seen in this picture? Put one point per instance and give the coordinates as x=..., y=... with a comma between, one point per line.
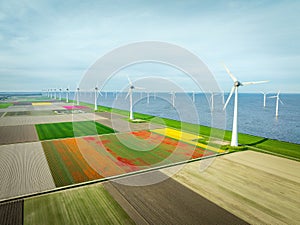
x=76, y=160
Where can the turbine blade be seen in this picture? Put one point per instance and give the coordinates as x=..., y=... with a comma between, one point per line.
x=272, y=97
x=100, y=93
x=230, y=74
x=254, y=82
x=228, y=99
x=127, y=95
x=281, y=101
x=129, y=80
x=139, y=88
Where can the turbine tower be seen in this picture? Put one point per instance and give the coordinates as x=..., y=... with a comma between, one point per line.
x=236, y=85
x=265, y=96
x=148, y=96
x=77, y=95
x=67, y=95
x=60, y=94
x=277, y=102
x=54, y=93
x=193, y=96
x=130, y=91
x=173, y=96
x=96, y=96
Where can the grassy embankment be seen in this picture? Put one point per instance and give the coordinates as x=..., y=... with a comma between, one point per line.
x=249, y=141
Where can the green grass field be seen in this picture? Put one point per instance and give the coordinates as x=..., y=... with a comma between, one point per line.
x=88, y=205
x=71, y=129
x=5, y=105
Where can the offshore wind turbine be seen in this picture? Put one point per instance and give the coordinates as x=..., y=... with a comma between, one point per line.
x=130, y=92
x=193, y=96
x=173, y=96
x=265, y=98
x=148, y=96
x=54, y=93
x=277, y=102
x=236, y=85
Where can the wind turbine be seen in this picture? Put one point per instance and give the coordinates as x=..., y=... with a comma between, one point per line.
x=173, y=96
x=277, y=102
x=130, y=91
x=265, y=96
x=67, y=95
x=212, y=94
x=148, y=96
x=236, y=85
x=54, y=93
x=77, y=94
x=60, y=94
x=193, y=96
x=96, y=96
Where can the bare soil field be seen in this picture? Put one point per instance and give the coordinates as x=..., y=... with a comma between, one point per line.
x=11, y=213
x=26, y=120
x=167, y=202
x=24, y=169
x=17, y=134
x=259, y=188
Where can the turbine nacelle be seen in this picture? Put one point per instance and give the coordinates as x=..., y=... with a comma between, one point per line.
x=237, y=84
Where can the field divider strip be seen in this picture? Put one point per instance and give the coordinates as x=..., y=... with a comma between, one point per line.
x=111, y=178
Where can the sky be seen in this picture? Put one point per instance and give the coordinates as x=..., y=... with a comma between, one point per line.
x=51, y=44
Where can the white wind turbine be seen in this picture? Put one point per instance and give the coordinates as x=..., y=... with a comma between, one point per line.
x=54, y=93
x=193, y=95
x=173, y=96
x=148, y=97
x=265, y=98
x=51, y=93
x=236, y=85
x=60, y=90
x=212, y=95
x=67, y=95
x=130, y=91
x=96, y=96
x=277, y=102
x=77, y=94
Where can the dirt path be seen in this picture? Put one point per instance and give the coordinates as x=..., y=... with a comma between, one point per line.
x=167, y=202
x=259, y=188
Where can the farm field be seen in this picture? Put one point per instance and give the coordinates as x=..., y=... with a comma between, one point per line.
x=24, y=169
x=69, y=129
x=167, y=202
x=17, y=134
x=88, y=205
x=257, y=187
x=26, y=120
x=76, y=160
x=11, y=213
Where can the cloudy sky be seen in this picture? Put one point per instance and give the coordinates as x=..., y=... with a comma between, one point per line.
x=47, y=44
